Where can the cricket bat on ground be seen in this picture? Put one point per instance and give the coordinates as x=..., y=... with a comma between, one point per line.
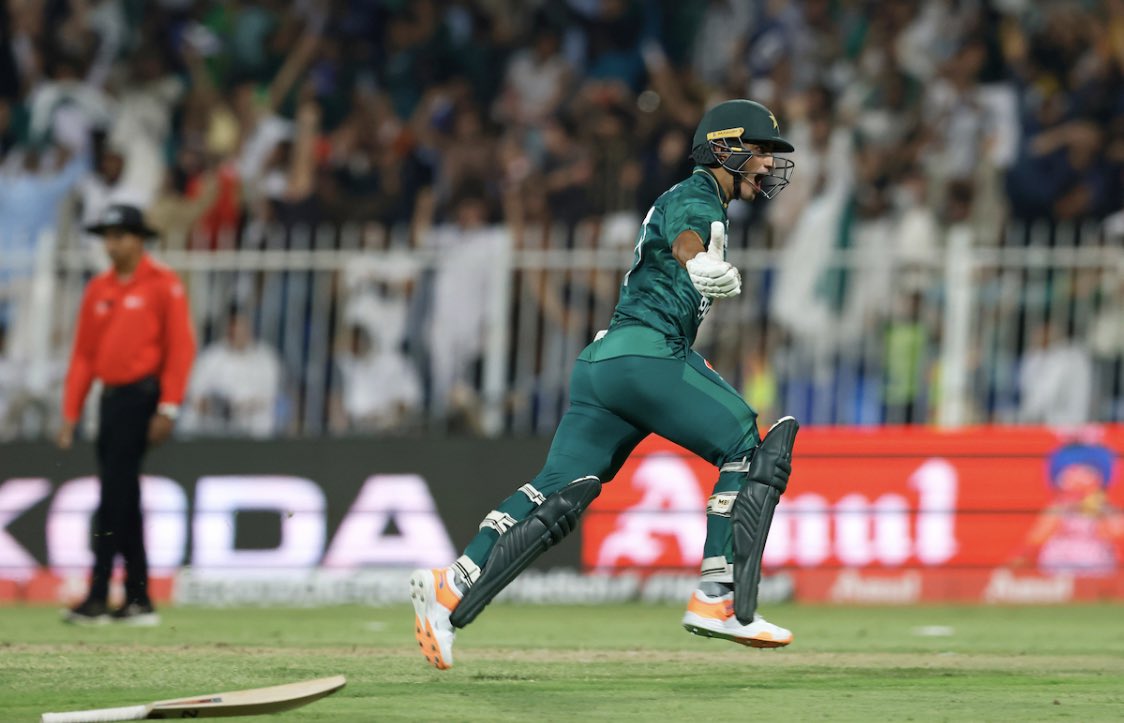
x=257, y=701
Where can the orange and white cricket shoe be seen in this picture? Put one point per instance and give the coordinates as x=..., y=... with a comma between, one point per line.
x=435, y=596
x=713, y=617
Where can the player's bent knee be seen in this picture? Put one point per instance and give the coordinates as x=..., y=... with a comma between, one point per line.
x=738, y=456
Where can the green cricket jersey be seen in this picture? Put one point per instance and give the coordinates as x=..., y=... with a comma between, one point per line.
x=657, y=292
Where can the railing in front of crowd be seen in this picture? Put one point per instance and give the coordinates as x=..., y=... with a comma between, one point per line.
x=474, y=332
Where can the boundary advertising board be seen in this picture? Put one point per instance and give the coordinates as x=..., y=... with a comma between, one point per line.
x=897, y=515
x=273, y=514
x=871, y=516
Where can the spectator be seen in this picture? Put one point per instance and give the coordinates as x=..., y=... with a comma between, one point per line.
x=721, y=32
x=469, y=155
x=616, y=173
x=671, y=160
x=536, y=80
x=826, y=166
x=567, y=169
x=362, y=179
x=109, y=183
x=908, y=362
x=12, y=374
x=759, y=377
x=1106, y=342
x=263, y=129
x=30, y=388
x=378, y=387
x=1055, y=380
x=32, y=189
x=236, y=384
x=458, y=331
x=613, y=32
x=188, y=193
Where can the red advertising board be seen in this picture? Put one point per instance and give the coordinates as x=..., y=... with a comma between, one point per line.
x=897, y=515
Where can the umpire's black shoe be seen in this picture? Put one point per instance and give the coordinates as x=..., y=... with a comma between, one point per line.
x=90, y=612
x=141, y=614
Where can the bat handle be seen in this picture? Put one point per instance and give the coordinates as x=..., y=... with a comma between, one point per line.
x=129, y=712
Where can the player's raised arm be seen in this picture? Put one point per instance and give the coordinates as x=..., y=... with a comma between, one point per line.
x=710, y=273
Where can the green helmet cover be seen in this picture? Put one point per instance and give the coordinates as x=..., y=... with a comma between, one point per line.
x=741, y=119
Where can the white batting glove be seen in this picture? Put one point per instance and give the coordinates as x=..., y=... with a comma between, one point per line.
x=711, y=274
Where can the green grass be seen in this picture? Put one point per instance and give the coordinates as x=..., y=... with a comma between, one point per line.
x=621, y=662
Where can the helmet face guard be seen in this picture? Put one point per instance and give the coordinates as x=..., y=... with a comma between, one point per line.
x=769, y=183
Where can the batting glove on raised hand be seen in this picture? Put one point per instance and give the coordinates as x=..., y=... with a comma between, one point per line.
x=711, y=274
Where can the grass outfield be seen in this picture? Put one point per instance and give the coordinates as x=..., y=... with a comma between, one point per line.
x=621, y=662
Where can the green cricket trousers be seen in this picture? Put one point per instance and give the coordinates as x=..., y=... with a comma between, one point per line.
x=633, y=382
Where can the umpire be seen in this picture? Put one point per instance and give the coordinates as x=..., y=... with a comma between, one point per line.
x=134, y=335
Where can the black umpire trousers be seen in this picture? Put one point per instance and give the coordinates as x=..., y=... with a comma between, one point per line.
x=123, y=419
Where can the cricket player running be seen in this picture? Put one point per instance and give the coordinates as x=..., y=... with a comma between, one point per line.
x=641, y=377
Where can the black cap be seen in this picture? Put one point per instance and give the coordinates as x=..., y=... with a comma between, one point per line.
x=124, y=217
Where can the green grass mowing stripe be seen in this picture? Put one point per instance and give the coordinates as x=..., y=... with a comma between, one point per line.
x=621, y=662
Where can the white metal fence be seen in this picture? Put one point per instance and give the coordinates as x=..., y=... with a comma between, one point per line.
x=471, y=332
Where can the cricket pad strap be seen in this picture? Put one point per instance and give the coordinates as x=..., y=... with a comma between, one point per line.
x=517, y=548
x=752, y=513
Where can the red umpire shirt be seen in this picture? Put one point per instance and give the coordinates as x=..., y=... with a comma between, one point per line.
x=128, y=330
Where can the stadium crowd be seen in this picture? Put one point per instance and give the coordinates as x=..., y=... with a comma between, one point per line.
x=226, y=120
